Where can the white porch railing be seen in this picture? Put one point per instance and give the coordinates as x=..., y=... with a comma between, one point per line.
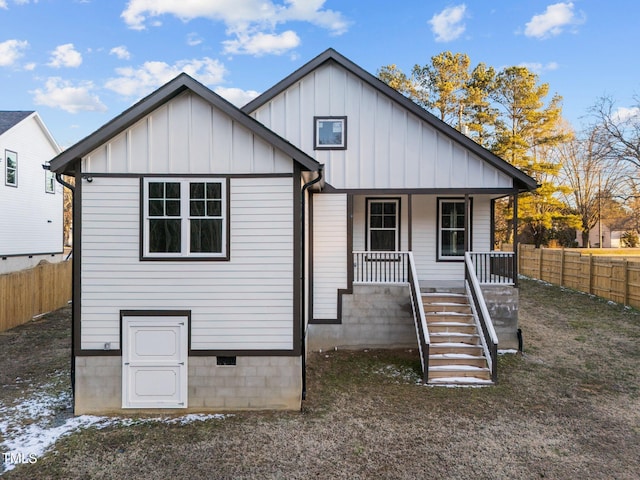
x=380, y=267
x=494, y=267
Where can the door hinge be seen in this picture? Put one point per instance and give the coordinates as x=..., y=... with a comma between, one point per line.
x=126, y=363
x=181, y=363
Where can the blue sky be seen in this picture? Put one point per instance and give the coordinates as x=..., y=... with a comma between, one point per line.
x=80, y=63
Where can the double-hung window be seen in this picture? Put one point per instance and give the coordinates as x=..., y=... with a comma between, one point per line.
x=383, y=225
x=11, y=168
x=185, y=218
x=452, y=229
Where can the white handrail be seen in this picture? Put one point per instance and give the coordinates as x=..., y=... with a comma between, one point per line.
x=416, y=286
x=481, y=303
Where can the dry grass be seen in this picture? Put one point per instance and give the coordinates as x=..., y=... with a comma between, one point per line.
x=567, y=408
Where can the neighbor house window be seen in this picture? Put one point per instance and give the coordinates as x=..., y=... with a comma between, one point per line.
x=451, y=229
x=49, y=182
x=383, y=226
x=185, y=218
x=11, y=168
x=330, y=133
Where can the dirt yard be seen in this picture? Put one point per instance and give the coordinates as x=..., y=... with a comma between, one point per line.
x=568, y=408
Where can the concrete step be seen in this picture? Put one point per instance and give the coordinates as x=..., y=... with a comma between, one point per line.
x=463, y=381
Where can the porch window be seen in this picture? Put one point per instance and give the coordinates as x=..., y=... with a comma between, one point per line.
x=451, y=229
x=383, y=225
x=11, y=168
x=184, y=218
x=330, y=133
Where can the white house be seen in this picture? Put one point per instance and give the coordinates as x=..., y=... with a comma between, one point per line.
x=215, y=246
x=31, y=222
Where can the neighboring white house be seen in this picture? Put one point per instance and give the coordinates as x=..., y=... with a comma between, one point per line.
x=214, y=246
x=605, y=234
x=32, y=201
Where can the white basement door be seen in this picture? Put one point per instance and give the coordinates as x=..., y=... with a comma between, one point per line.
x=154, y=362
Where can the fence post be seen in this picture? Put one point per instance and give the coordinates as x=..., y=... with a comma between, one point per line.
x=626, y=283
x=590, y=274
x=562, y=266
x=540, y=264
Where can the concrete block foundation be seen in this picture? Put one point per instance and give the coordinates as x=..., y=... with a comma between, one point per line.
x=254, y=383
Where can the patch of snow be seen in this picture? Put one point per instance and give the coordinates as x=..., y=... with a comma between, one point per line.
x=31, y=426
x=406, y=374
x=507, y=351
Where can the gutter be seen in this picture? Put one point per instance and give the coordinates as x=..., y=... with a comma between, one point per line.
x=303, y=333
x=72, y=188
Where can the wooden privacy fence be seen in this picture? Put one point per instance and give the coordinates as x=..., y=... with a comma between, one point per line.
x=607, y=277
x=28, y=293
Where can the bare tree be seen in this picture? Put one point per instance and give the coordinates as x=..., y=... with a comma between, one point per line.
x=591, y=171
x=622, y=126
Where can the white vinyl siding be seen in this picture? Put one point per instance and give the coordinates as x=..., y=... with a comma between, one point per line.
x=329, y=253
x=187, y=136
x=31, y=220
x=243, y=304
x=424, y=233
x=387, y=146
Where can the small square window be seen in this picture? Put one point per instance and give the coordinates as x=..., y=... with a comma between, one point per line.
x=330, y=133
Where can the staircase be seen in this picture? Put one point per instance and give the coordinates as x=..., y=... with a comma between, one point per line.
x=456, y=353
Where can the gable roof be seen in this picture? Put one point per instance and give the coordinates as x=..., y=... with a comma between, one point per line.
x=521, y=180
x=65, y=162
x=9, y=119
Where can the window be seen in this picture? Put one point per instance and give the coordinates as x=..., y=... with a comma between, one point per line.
x=49, y=181
x=11, y=168
x=452, y=230
x=185, y=218
x=330, y=133
x=383, y=225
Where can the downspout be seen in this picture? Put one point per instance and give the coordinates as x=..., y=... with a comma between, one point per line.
x=303, y=306
x=72, y=189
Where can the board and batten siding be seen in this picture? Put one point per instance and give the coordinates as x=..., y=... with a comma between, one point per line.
x=187, y=135
x=329, y=253
x=243, y=304
x=387, y=146
x=31, y=219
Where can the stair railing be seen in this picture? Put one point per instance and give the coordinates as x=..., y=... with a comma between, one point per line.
x=480, y=307
x=419, y=318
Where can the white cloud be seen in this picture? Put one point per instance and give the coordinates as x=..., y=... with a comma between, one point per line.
x=251, y=22
x=236, y=96
x=538, y=67
x=62, y=94
x=11, y=51
x=623, y=114
x=121, y=52
x=3, y=4
x=447, y=25
x=151, y=75
x=65, y=56
x=553, y=21
x=193, y=39
x=262, y=43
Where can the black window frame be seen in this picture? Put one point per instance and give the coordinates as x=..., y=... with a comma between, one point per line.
x=398, y=237
x=333, y=146
x=468, y=216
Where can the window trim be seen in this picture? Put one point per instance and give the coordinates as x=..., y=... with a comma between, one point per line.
x=49, y=180
x=368, y=203
x=184, y=255
x=467, y=228
x=337, y=146
x=7, y=153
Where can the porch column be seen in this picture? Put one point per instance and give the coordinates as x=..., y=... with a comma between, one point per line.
x=467, y=222
x=515, y=236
